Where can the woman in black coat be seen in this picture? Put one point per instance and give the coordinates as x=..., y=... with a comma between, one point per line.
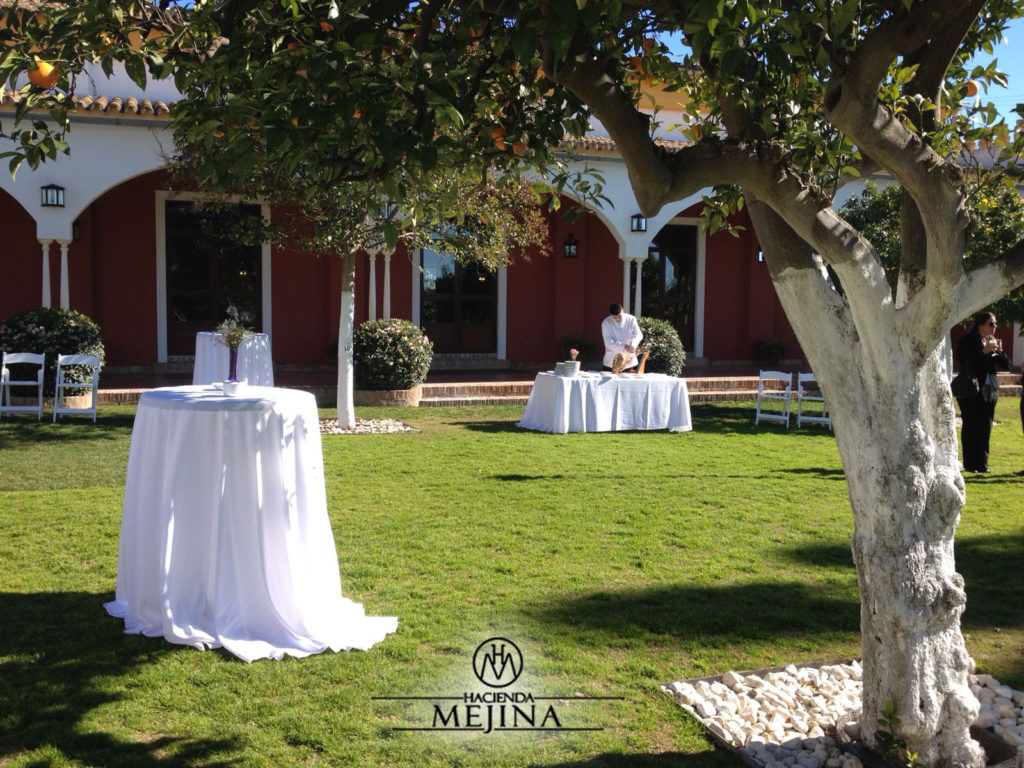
x=979, y=353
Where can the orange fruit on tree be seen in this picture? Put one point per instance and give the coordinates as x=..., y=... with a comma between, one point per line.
x=357, y=113
x=44, y=75
x=326, y=26
x=972, y=89
x=519, y=147
x=498, y=135
x=295, y=121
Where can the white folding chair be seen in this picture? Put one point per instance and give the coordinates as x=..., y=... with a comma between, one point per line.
x=807, y=391
x=774, y=391
x=6, y=382
x=66, y=381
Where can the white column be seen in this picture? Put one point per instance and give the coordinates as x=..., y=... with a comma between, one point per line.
x=372, y=303
x=65, y=281
x=387, y=285
x=625, y=285
x=636, y=296
x=417, y=268
x=503, y=312
x=46, y=271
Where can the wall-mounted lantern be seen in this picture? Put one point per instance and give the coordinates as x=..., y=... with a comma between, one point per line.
x=570, y=248
x=637, y=223
x=52, y=196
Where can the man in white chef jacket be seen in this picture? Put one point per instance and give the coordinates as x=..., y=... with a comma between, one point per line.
x=621, y=333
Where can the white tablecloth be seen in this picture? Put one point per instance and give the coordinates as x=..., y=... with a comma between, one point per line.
x=255, y=363
x=225, y=539
x=602, y=402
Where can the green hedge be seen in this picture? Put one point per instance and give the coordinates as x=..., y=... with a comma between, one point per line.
x=390, y=354
x=51, y=331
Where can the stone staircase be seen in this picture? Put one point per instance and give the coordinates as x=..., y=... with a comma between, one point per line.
x=703, y=389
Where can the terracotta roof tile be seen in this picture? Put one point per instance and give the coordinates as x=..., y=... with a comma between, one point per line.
x=606, y=145
x=115, y=106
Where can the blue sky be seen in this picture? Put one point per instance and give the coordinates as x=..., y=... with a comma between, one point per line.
x=1010, y=55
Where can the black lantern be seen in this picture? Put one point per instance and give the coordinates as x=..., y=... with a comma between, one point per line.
x=570, y=247
x=52, y=196
x=637, y=223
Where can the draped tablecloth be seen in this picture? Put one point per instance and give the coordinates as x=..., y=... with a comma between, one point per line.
x=255, y=362
x=603, y=402
x=225, y=539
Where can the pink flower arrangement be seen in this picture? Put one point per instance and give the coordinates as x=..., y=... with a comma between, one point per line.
x=573, y=353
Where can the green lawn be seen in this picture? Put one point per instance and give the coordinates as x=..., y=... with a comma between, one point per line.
x=614, y=561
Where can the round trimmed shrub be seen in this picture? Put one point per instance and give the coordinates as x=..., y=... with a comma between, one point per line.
x=667, y=353
x=390, y=354
x=54, y=332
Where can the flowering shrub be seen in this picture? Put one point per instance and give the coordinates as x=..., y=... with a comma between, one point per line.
x=667, y=353
x=51, y=331
x=390, y=354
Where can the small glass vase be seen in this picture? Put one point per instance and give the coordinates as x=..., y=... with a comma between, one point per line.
x=232, y=363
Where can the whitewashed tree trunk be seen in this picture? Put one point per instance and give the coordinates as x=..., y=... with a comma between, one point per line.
x=894, y=423
x=346, y=324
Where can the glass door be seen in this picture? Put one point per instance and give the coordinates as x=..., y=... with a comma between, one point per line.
x=207, y=271
x=459, y=305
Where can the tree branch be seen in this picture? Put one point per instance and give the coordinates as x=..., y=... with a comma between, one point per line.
x=989, y=282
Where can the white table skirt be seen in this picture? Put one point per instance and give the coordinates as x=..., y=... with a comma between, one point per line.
x=602, y=402
x=225, y=538
x=255, y=362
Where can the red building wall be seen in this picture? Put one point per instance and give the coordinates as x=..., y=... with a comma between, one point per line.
x=112, y=267
x=22, y=272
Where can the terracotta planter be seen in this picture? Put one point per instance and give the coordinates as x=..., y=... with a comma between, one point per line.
x=388, y=397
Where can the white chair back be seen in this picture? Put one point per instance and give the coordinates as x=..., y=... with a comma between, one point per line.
x=61, y=403
x=6, y=382
x=807, y=391
x=774, y=392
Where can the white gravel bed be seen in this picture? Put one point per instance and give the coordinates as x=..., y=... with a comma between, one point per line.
x=365, y=427
x=783, y=719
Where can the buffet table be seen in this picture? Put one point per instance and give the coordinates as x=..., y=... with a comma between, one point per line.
x=605, y=402
x=255, y=363
x=225, y=538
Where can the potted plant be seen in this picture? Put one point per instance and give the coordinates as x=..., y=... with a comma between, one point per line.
x=391, y=358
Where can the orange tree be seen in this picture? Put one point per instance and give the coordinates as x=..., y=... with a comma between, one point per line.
x=788, y=101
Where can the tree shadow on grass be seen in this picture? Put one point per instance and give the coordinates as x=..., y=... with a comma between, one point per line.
x=710, y=759
x=59, y=650
x=18, y=432
x=730, y=613
x=993, y=598
x=990, y=566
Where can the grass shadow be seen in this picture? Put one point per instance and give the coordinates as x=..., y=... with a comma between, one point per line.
x=713, y=758
x=822, y=555
x=994, y=598
x=523, y=478
x=730, y=613
x=58, y=651
x=15, y=433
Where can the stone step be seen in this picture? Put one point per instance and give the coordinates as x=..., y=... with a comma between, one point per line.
x=701, y=389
